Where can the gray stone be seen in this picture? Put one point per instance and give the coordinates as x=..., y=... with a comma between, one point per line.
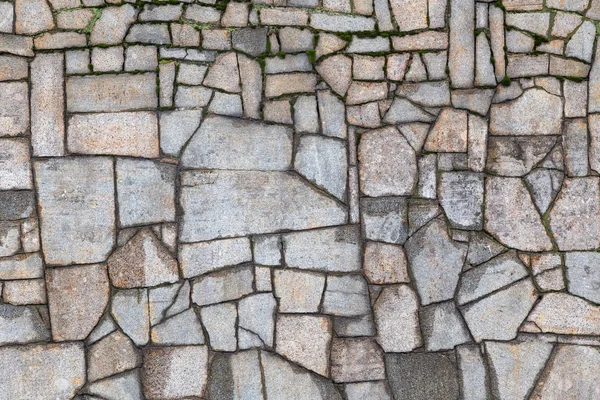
x=295, y=82
x=126, y=134
x=113, y=24
x=141, y=58
x=461, y=53
x=581, y=44
x=32, y=16
x=421, y=41
x=449, y=133
x=499, y=316
x=176, y=127
x=356, y=360
x=125, y=386
x=15, y=168
x=251, y=77
x=402, y=111
x=42, y=371
x=366, y=115
x=364, y=92
x=583, y=274
x=518, y=42
x=111, y=92
x=537, y=23
x=22, y=266
x=224, y=73
x=410, y=15
x=521, y=65
x=575, y=216
x=200, y=258
x=226, y=104
x=477, y=140
x=203, y=14
x=112, y=355
x=516, y=156
x=222, y=286
x=461, y=197
x=363, y=390
x=192, y=96
x=267, y=250
x=443, y=327
x=283, y=16
x=563, y=313
x=346, y=296
x=565, y=23
x=12, y=67
x=171, y=372
x=256, y=315
x=289, y=63
x=298, y=291
x=59, y=40
x=475, y=100
x=484, y=68
x=252, y=41
x=341, y=23
x=8, y=16
x=130, y=310
x=385, y=219
x=10, y=238
x=17, y=45
x=108, y=59
x=427, y=94
x=575, y=98
x=331, y=112
x=14, y=108
x=397, y=319
x=76, y=197
x=168, y=300
x=410, y=376
x=146, y=191
x=417, y=71
x=22, y=324
x=306, y=118
x=544, y=185
x=536, y=112
x=436, y=261
x=220, y=323
x=473, y=373
x=575, y=145
x=332, y=250
x=505, y=198
x=436, y=64
x=236, y=376
x=385, y=263
x=232, y=194
x=368, y=45
x=482, y=248
x=169, y=12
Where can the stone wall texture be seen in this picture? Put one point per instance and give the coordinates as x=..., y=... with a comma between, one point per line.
x=299, y=199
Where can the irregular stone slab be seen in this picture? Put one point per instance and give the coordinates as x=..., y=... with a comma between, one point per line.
x=252, y=41
x=363, y=390
x=15, y=167
x=222, y=286
x=174, y=372
x=125, y=386
x=563, y=313
x=219, y=321
x=235, y=376
x=330, y=250
x=473, y=373
x=484, y=68
x=449, y=134
x=215, y=204
x=482, y=248
x=498, y=272
x=388, y=164
x=397, y=319
x=341, y=23
x=113, y=24
x=76, y=197
x=575, y=216
x=572, y=374
x=47, y=105
x=475, y=100
x=428, y=94
x=14, y=108
x=183, y=328
x=544, y=185
x=281, y=376
x=511, y=217
x=347, y=296
x=516, y=156
x=251, y=77
x=516, y=366
x=200, y=258
x=77, y=297
x=143, y=261
x=403, y=111
x=111, y=355
x=410, y=15
x=17, y=45
x=356, y=360
x=42, y=371
x=129, y=308
x=298, y=291
x=583, y=274
x=224, y=74
x=149, y=33
x=499, y=316
x=111, y=92
x=537, y=23
x=256, y=315
x=306, y=340
x=461, y=197
x=124, y=134
x=385, y=219
x=22, y=266
x=428, y=40
x=385, y=263
x=436, y=261
x=176, y=127
x=410, y=376
x=331, y=112
x=146, y=191
x=295, y=82
x=32, y=16
x=443, y=327
x=22, y=324
x=229, y=143
x=461, y=53
x=581, y=44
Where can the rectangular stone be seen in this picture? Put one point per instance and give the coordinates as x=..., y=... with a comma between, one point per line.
x=17, y=45
x=60, y=40
x=16, y=204
x=526, y=65
x=277, y=85
x=13, y=68
x=283, y=16
x=14, y=108
x=77, y=209
x=461, y=55
x=201, y=258
x=125, y=134
x=341, y=23
x=111, y=92
x=22, y=266
x=222, y=286
x=575, y=143
x=47, y=105
x=562, y=67
x=15, y=169
x=421, y=41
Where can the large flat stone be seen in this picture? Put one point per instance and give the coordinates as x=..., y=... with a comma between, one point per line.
x=565, y=314
x=217, y=203
x=516, y=156
x=461, y=197
x=461, y=54
x=22, y=324
x=397, y=319
x=77, y=209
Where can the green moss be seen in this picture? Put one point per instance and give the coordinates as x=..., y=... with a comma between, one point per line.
x=97, y=14
x=280, y=54
x=500, y=5
x=347, y=36
x=574, y=78
x=539, y=40
x=312, y=55
x=505, y=81
x=221, y=5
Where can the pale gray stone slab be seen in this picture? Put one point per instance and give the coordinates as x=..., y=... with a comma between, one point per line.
x=298, y=291
x=235, y=376
x=22, y=266
x=575, y=145
x=427, y=94
x=251, y=77
x=267, y=250
x=461, y=197
x=356, y=359
x=566, y=314
x=222, y=286
x=125, y=386
x=461, y=53
x=537, y=23
x=200, y=258
x=346, y=296
x=341, y=23
x=337, y=72
x=256, y=315
x=112, y=355
x=220, y=323
x=32, y=16
x=306, y=118
x=77, y=209
x=583, y=274
x=176, y=127
x=516, y=156
x=22, y=324
x=544, y=185
x=16, y=44
x=113, y=24
x=14, y=108
x=7, y=16
x=385, y=219
x=15, y=167
x=472, y=372
x=397, y=319
x=385, y=263
x=363, y=390
x=581, y=44
x=129, y=308
x=331, y=112
x=443, y=327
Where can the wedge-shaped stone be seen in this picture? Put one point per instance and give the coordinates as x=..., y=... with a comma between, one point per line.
x=330, y=250
x=516, y=156
x=22, y=324
x=217, y=203
x=499, y=316
x=125, y=134
x=461, y=197
x=388, y=165
x=112, y=355
x=219, y=320
x=511, y=217
x=443, y=327
x=544, y=185
x=482, y=248
x=536, y=112
x=306, y=340
x=384, y=219
x=516, y=366
x=337, y=72
x=130, y=310
x=77, y=209
x=583, y=274
x=358, y=359
x=113, y=24
x=403, y=111
x=449, y=134
x=125, y=386
x=224, y=74
x=428, y=94
x=201, y=258
x=183, y=328
x=493, y=275
x=222, y=286
x=436, y=261
x=581, y=44
x=397, y=319
x=111, y=92
x=565, y=314
x=42, y=371
x=143, y=261
x=77, y=297
x=575, y=217
x=230, y=143
x=256, y=320
x=473, y=372
x=572, y=374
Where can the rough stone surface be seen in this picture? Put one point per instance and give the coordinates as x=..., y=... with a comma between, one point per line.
x=397, y=319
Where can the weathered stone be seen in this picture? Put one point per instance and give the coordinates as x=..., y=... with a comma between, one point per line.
x=575, y=216
x=174, y=372
x=224, y=74
x=235, y=376
x=188, y=36
x=284, y=16
x=443, y=327
x=168, y=12
x=10, y=238
x=410, y=376
x=516, y=156
x=410, y=15
x=397, y=319
x=505, y=199
x=206, y=195
x=331, y=112
x=537, y=23
x=267, y=250
x=181, y=329
x=251, y=77
x=12, y=68
x=385, y=219
x=220, y=323
x=461, y=197
x=436, y=262
x=256, y=315
x=417, y=71
x=7, y=17
x=17, y=45
x=111, y=92
x=521, y=65
x=563, y=313
x=222, y=286
x=402, y=111
x=22, y=266
x=108, y=59
x=76, y=198
x=176, y=127
x=146, y=191
x=306, y=340
x=200, y=258
x=544, y=185
x=22, y=324
x=129, y=308
x=421, y=41
x=125, y=386
x=77, y=297
x=366, y=115
x=42, y=371
x=192, y=96
x=127, y=134
x=385, y=263
x=113, y=24
x=449, y=134
x=581, y=45
x=298, y=291
x=356, y=360
x=295, y=82
x=14, y=108
x=341, y=23
x=428, y=94
x=32, y=16
x=168, y=300
x=346, y=296
x=498, y=316
x=518, y=42
x=461, y=53
x=252, y=41
x=112, y=355
x=363, y=390
x=575, y=145
x=473, y=373
x=15, y=168
x=583, y=275
x=575, y=98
